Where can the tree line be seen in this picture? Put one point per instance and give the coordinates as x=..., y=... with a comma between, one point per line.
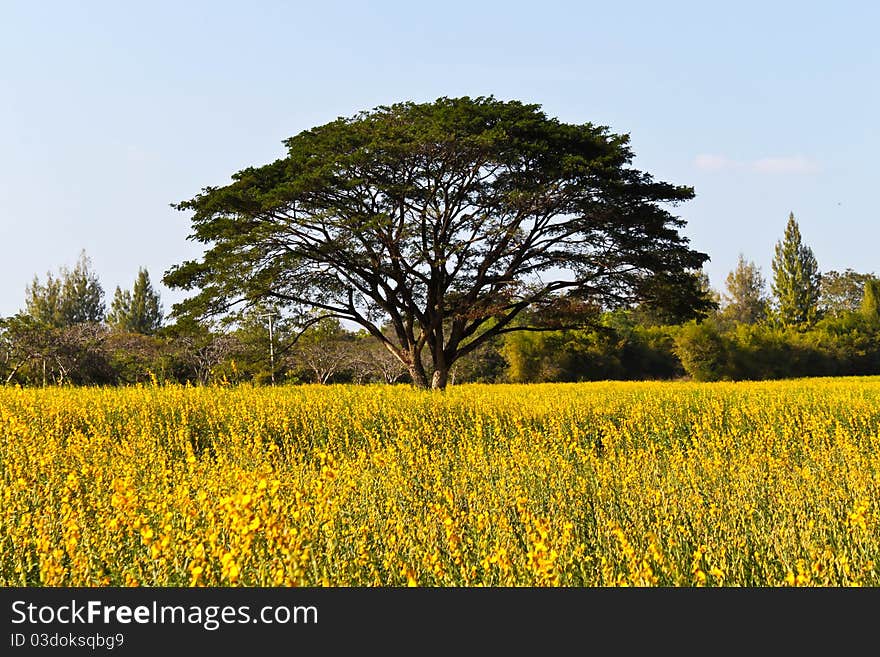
x=811, y=323
x=808, y=323
x=65, y=334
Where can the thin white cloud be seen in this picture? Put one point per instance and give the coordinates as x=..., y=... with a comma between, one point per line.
x=796, y=164
x=709, y=162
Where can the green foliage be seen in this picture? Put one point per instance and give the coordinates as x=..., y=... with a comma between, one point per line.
x=75, y=296
x=842, y=292
x=850, y=342
x=605, y=352
x=137, y=358
x=870, y=306
x=527, y=355
x=648, y=352
x=40, y=354
x=485, y=365
x=759, y=352
x=44, y=301
x=796, y=279
x=137, y=311
x=703, y=351
x=775, y=352
x=675, y=298
x=746, y=300
x=58, y=338
x=835, y=346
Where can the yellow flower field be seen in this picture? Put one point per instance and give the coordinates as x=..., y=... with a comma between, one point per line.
x=594, y=484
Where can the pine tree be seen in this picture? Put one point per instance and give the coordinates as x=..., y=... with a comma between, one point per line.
x=74, y=297
x=745, y=300
x=139, y=310
x=796, y=278
x=43, y=301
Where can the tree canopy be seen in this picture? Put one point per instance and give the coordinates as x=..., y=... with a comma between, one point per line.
x=745, y=300
x=842, y=292
x=443, y=221
x=73, y=297
x=138, y=310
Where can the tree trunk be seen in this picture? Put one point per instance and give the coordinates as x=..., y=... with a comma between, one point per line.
x=440, y=378
x=417, y=370
x=418, y=377
x=12, y=373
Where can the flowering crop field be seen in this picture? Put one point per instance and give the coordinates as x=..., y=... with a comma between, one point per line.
x=592, y=484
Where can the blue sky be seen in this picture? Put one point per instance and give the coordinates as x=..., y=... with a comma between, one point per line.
x=111, y=111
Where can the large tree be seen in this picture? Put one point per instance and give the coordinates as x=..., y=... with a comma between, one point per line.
x=446, y=220
x=796, y=278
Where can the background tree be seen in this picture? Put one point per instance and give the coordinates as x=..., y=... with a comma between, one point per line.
x=703, y=351
x=24, y=342
x=76, y=355
x=324, y=349
x=870, y=307
x=75, y=296
x=40, y=354
x=796, y=278
x=43, y=301
x=259, y=349
x=371, y=362
x=530, y=357
x=485, y=365
x=136, y=358
x=841, y=292
x=58, y=338
x=446, y=220
x=137, y=311
x=745, y=300
x=197, y=351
